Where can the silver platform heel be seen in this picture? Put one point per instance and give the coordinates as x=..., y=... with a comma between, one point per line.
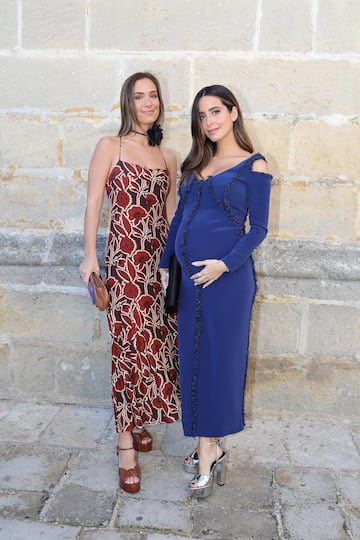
x=191, y=462
x=201, y=484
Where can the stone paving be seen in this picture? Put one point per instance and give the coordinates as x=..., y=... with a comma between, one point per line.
x=285, y=480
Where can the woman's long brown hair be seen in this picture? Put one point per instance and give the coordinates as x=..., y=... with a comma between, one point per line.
x=127, y=108
x=202, y=149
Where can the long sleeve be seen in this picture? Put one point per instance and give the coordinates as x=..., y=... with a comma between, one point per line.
x=258, y=188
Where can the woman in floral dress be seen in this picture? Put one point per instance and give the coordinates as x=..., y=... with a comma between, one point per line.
x=139, y=177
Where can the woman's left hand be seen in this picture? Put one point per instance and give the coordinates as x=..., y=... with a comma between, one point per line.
x=211, y=271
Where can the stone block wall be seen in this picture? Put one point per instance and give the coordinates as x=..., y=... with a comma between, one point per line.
x=295, y=67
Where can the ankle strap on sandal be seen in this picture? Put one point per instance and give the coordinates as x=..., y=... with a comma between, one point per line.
x=203, y=443
x=217, y=441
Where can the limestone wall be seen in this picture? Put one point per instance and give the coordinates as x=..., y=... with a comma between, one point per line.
x=295, y=68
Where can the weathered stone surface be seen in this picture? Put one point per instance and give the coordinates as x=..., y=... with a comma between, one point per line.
x=18, y=530
x=9, y=19
x=60, y=205
x=19, y=248
x=344, y=19
x=242, y=510
x=349, y=484
x=60, y=79
x=233, y=524
x=339, y=326
x=154, y=513
x=326, y=150
x=282, y=32
x=23, y=469
x=49, y=315
x=307, y=259
x=6, y=383
x=319, y=520
x=68, y=249
x=302, y=486
x=307, y=387
x=25, y=421
x=41, y=28
x=85, y=375
x=275, y=328
x=46, y=134
x=84, y=427
x=323, y=289
x=116, y=535
x=159, y=536
x=21, y=505
x=94, y=471
x=163, y=479
x=74, y=505
x=263, y=440
x=33, y=371
x=280, y=87
x=196, y=28
x=324, y=446
x=324, y=211
x=62, y=374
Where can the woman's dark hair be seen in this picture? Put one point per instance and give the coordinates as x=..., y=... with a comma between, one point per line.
x=202, y=148
x=127, y=108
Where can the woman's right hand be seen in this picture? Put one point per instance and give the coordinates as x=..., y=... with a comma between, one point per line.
x=164, y=274
x=88, y=266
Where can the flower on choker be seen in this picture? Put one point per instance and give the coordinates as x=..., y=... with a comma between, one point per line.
x=155, y=135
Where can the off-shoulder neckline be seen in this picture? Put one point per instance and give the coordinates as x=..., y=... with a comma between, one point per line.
x=229, y=169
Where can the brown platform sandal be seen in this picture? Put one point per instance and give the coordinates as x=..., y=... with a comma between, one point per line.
x=124, y=474
x=139, y=444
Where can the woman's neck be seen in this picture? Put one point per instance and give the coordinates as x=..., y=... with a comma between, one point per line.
x=227, y=146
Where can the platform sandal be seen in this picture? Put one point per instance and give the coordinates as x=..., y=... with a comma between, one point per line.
x=191, y=462
x=125, y=474
x=201, y=484
x=139, y=444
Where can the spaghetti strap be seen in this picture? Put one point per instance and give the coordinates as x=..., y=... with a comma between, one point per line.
x=120, y=149
x=162, y=155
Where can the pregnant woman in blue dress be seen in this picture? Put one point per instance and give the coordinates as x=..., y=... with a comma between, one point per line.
x=223, y=183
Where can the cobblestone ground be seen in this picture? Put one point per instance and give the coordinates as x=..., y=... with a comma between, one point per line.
x=285, y=480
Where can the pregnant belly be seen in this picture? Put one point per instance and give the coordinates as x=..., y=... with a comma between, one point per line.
x=202, y=239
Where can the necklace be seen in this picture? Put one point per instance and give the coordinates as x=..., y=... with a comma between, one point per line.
x=139, y=132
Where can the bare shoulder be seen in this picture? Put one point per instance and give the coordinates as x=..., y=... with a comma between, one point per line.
x=107, y=143
x=260, y=165
x=169, y=156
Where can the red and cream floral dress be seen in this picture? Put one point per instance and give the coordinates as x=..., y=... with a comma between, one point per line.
x=144, y=338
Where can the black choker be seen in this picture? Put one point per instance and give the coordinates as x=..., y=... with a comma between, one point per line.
x=139, y=132
x=154, y=134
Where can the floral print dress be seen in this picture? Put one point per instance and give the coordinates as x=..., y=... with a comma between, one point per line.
x=144, y=338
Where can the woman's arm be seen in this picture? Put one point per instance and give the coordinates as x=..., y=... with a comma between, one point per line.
x=170, y=159
x=98, y=172
x=258, y=182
